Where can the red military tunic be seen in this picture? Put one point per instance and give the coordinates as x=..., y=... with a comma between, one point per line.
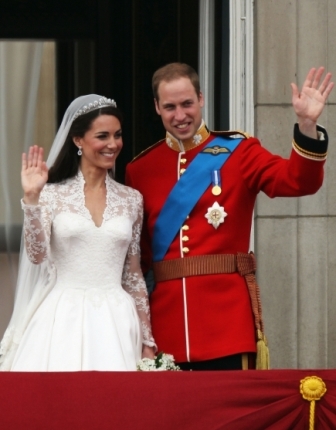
x=209, y=316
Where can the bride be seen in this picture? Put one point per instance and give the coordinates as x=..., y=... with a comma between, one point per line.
x=81, y=301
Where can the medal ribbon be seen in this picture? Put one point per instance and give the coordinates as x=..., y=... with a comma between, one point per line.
x=188, y=190
x=216, y=182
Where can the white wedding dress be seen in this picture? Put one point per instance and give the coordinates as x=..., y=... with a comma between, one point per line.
x=96, y=316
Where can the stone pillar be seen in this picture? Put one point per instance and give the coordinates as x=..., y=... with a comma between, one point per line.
x=295, y=238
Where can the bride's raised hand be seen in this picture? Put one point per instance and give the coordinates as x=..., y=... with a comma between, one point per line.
x=34, y=174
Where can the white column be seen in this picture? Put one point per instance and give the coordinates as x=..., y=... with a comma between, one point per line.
x=206, y=69
x=241, y=71
x=241, y=66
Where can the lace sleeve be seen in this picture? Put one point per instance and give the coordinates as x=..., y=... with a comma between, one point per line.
x=37, y=227
x=133, y=281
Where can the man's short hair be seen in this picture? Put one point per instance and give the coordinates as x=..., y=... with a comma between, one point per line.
x=173, y=71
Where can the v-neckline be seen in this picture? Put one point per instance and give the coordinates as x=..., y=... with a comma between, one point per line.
x=82, y=180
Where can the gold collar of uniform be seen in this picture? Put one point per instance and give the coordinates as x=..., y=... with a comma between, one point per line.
x=185, y=145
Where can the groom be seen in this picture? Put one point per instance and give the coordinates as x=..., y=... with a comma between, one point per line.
x=199, y=190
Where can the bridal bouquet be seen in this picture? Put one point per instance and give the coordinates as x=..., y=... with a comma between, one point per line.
x=161, y=362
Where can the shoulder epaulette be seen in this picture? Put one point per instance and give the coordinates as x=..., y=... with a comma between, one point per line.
x=145, y=151
x=231, y=133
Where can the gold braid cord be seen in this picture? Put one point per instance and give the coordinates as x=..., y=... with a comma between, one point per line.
x=312, y=389
x=246, y=266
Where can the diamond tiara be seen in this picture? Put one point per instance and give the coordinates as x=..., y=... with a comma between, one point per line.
x=97, y=104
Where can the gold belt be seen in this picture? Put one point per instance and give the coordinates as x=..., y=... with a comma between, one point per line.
x=204, y=265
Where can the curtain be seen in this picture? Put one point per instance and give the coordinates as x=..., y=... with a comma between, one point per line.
x=20, y=66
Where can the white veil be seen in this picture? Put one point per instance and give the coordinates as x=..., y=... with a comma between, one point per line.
x=35, y=281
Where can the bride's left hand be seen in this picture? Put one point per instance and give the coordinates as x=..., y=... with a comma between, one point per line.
x=148, y=352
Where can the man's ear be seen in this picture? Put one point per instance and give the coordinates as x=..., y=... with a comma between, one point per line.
x=201, y=99
x=157, y=107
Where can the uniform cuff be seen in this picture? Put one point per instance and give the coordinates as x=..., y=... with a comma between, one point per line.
x=314, y=149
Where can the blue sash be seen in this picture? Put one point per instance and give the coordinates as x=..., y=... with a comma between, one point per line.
x=188, y=190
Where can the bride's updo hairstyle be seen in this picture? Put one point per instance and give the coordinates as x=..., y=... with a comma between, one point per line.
x=66, y=164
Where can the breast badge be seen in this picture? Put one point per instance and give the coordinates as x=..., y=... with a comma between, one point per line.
x=215, y=215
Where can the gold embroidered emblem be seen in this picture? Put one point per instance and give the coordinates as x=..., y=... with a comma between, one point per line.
x=214, y=150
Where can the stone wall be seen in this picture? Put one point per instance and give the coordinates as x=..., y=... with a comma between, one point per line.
x=295, y=238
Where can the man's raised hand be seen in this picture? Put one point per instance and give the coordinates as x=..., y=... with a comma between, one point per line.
x=309, y=102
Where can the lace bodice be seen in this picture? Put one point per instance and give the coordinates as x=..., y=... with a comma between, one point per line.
x=60, y=229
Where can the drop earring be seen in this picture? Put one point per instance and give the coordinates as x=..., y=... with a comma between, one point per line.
x=79, y=152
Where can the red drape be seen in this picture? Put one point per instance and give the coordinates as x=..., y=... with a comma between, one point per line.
x=237, y=400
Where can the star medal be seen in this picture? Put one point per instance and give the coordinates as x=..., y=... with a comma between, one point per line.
x=216, y=183
x=215, y=215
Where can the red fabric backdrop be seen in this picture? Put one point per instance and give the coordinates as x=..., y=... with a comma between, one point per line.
x=237, y=400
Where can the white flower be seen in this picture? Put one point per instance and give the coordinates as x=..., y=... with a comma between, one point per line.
x=160, y=363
